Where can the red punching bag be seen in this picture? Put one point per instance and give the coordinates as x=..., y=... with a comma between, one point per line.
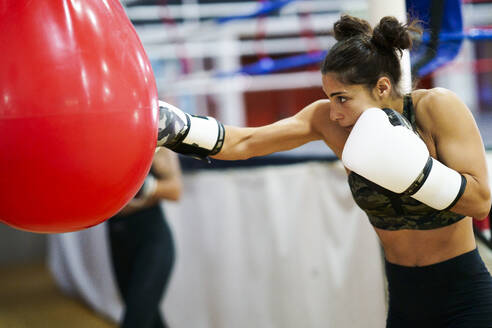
x=78, y=113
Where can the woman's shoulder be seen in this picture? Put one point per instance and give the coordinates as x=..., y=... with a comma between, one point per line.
x=320, y=104
x=438, y=111
x=434, y=96
x=432, y=104
x=318, y=110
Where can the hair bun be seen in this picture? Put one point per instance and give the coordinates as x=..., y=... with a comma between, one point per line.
x=349, y=26
x=390, y=34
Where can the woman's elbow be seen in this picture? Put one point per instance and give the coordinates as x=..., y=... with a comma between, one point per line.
x=483, y=207
x=172, y=191
x=177, y=192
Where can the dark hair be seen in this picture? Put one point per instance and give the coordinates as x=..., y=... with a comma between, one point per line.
x=363, y=55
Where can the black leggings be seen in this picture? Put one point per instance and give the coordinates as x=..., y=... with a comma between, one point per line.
x=456, y=293
x=142, y=251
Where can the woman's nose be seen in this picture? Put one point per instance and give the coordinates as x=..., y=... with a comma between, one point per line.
x=335, y=115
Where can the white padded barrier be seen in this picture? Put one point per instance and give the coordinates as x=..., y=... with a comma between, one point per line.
x=276, y=246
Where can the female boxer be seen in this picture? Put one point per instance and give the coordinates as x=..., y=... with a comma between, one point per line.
x=416, y=165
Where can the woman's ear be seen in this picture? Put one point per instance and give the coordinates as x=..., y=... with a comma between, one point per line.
x=383, y=88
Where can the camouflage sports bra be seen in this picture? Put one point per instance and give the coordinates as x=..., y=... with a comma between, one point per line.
x=390, y=211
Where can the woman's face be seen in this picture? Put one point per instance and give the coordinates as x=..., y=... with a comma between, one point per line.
x=348, y=101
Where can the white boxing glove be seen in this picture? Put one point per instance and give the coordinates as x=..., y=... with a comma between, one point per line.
x=383, y=149
x=197, y=136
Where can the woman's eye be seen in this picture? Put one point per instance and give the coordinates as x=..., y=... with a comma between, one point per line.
x=342, y=100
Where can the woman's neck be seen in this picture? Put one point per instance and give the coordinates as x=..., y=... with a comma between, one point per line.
x=395, y=103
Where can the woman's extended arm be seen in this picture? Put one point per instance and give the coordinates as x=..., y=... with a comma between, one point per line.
x=201, y=137
x=242, y=143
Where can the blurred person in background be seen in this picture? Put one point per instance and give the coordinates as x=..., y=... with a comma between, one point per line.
x=142, y=245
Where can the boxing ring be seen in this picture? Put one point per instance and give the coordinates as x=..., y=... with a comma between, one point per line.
x=259, y=245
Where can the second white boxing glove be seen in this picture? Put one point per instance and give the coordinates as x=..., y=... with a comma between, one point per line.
x=395, y=157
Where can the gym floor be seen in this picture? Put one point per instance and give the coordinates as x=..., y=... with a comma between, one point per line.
x=29, y=298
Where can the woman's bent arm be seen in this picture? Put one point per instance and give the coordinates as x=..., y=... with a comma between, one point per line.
x=459, y=146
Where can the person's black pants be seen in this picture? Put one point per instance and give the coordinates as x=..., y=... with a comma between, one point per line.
x=142, y=251
x=456, y=293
